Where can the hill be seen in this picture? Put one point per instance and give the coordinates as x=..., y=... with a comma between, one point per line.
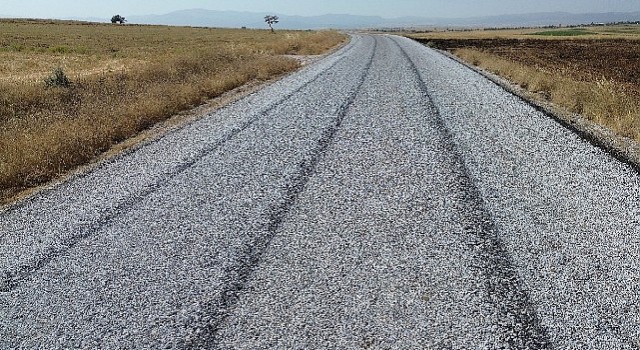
x=209, y=18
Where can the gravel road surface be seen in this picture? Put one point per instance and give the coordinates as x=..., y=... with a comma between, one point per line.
x=384, y=197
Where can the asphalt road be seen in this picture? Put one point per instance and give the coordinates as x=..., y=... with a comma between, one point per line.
x=385, y=197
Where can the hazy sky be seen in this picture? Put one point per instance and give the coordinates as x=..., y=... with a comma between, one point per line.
x=384, y=8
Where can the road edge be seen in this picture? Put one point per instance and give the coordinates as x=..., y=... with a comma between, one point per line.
x=619, y=147
x=162, y=129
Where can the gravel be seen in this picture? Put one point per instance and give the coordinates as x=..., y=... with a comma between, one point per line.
x=567, y=213
x=382, y=197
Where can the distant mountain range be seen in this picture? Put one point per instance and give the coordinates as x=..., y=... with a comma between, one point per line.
x=209, y=18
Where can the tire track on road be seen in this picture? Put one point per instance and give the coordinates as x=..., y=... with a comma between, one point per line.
x=521, y=327
x=10, y=279
x=221, y=306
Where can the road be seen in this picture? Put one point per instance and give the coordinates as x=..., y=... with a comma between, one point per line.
x=385, y=197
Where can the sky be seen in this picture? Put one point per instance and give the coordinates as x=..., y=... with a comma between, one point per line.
x=383, y=8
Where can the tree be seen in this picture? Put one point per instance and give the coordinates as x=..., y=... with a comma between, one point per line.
x=271, y=20
x=118, y=19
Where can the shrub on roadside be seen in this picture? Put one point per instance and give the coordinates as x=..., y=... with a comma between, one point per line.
x=57, y=79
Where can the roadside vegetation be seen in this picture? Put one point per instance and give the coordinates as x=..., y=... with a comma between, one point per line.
x=592, y=71
x=69, y=90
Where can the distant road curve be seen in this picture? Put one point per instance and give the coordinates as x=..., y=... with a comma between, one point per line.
x=383, y=197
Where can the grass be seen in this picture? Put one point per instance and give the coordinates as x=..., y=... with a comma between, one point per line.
x=121, y=80
x=568, y=32
x=601, y=100
x=595, y=75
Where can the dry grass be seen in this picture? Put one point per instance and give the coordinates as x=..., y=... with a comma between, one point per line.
x=603, y=101
x=124, y=80
x=594, y=73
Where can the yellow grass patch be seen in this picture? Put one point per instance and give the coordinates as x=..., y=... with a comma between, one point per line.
x=124, y=80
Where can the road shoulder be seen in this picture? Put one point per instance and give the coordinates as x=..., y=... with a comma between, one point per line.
x=622, y=148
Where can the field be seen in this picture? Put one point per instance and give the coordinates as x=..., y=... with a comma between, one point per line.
x=630, y=31
x=114, y=81
x=593, y=71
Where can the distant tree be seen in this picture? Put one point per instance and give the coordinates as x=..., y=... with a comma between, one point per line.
x=271, y=20
x=118, y=19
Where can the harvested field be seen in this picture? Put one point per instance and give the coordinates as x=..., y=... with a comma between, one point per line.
x=596, y=76
x=115, y=81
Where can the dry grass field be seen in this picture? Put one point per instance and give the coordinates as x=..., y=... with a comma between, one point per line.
x=593, y=71
x=122, y=79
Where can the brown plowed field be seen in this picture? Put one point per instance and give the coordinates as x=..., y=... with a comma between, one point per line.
x=585, y=60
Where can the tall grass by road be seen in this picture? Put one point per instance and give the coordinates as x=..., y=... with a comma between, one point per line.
x=602, y=100
x=595, y=74
x=123, y=79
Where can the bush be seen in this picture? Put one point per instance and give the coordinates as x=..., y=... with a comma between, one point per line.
x=58, y=79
